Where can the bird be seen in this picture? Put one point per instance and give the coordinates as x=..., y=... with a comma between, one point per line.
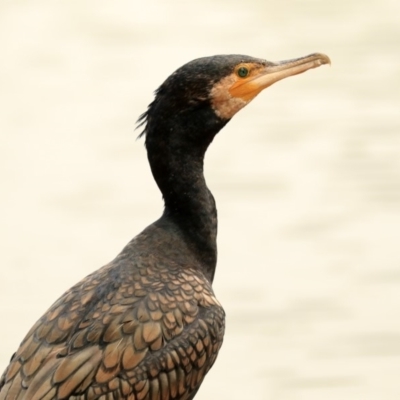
x=147, y=325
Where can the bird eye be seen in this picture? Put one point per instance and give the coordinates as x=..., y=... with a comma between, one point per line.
x=243, y=72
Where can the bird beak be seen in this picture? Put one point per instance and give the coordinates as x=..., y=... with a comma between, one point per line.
x=248, y=88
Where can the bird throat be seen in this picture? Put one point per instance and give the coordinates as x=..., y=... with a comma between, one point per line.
x=189, y=205
x=223, y=103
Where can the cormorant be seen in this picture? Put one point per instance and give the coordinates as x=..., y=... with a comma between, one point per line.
x=147, y=326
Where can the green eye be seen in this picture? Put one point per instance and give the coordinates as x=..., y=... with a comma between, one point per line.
x=243, y=72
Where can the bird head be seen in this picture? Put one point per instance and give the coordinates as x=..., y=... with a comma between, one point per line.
x=200, y=97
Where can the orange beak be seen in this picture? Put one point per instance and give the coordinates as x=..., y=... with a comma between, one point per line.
x=248, y=88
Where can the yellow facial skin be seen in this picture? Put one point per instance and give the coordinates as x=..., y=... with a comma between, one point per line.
x=248, y=79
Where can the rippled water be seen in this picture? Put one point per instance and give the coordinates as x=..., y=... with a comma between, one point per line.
x=307, y=179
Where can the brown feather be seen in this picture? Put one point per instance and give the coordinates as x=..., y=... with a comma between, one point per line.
x=151, y=331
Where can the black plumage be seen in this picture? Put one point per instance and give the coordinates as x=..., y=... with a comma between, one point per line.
x=148, y=325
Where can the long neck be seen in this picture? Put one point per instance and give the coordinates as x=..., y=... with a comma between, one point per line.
x=188, y=203
x=176, y=154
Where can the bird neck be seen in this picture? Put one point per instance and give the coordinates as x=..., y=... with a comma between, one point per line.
x=176, y=162
x=189, y=205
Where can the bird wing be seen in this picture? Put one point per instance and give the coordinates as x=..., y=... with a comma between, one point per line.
x=146, y=333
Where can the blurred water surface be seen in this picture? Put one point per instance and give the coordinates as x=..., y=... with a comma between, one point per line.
x=306, y=178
